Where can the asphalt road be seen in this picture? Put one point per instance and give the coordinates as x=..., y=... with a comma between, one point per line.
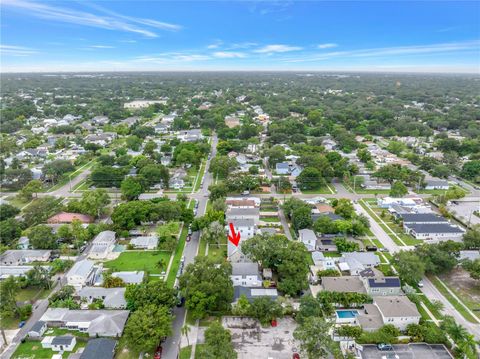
x=433, y=293
x=171, y=345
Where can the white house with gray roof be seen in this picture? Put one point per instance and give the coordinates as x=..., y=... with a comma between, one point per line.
x=16, y=257
x=144, y=242
x=113, y=298
x=102, y=245
x=80, y=274
x=434, y=231
x=308, y=238
x=397, y=310
x=235, y=213
x=103, y=323
x=131, y=277
x=246, y=275
x=355, y=262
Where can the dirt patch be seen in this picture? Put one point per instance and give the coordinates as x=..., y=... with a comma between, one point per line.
x=464, y=286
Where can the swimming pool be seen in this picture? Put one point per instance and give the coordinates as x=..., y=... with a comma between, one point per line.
x=347, y=314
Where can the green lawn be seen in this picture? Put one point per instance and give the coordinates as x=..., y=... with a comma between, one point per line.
x=322, y=190
x=176, y=257
x=138, y=261
x=170, y=228
x=270, y=219
x=186, y=352
x=460, y=308
x=15, y=201
x=200, y=176
x=34, y=350
x=430, y=307
x=438, y=191
x=31, y=293
x=9, y=323
x=60, y=331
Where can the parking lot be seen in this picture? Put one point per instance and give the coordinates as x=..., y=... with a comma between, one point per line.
x=252, y=341
x=407, y=351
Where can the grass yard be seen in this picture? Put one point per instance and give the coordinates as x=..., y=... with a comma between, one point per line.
x=323, y=190
x=138, y=261
x=170, y=228
x=439, y=191
x=186, y=352
x=34, y=350
x=271, y=219
x=31, y=293
x=15, y=201
x=9, y=323
x=218, y=253
x=458, y=306
x=122, y=351
x=464, y=287
x=436, y=313
x=200, y=176
x=171, y=275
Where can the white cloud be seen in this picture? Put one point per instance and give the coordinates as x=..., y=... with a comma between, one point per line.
x=277, y=48
x=390, y=51
x=215, y=45
x=16, y=50
x=242, y=45
x=112, y=22
x=171, y=58
x=228, y=54
x=102, y=47
x=327, y=46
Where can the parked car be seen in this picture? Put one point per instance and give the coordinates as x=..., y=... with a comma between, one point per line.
x=420, y=284
x=245, y=193
x=158, y=352
x=372, y=248
x=384, y=347
x=21, y=324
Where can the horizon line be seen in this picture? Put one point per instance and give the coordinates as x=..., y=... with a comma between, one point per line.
x=245, y=70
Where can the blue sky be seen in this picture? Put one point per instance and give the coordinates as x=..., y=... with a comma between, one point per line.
x=425, y=36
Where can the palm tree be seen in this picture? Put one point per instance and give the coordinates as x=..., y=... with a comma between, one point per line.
x=437, y=305
x=468, y=346
x=185, y=330
x=457, y=332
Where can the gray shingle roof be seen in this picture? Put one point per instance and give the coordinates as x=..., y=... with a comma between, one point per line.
x=37, y=326
x=433, y=228
x=421, y=217
x=245, y=269
x=63, y=340
x=396, y=306
x=101, y=348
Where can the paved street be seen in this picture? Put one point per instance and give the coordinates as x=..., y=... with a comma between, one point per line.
x=172, y=343
x=378, y=231
x=433, y=293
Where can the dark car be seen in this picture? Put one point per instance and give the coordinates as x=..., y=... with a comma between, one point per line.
x=372, y=248
x=384, y=347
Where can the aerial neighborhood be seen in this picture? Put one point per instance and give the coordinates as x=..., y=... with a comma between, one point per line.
x=196, y=216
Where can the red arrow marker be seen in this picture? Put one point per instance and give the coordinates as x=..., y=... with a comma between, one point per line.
x=235, y=237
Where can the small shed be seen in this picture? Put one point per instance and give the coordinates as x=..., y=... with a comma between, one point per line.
x=38, y=329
